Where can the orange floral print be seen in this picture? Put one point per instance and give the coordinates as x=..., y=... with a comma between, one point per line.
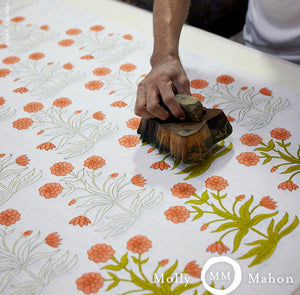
x=40, y=132
x=73, y=32
x=162, y=165
x=199, y=96
x=112, y=92
x=23, y=123
x=22, y=160
x=251, y=139
x=2, y=155
x=80, y=220
x=66, y=42
x=138, y=180
x=268, y=203
x=193, y=269
x=199, y=84
x=17, y=19
x=241, y=197
x=62, y=102
x=177, y=214
x=244, y=88
x=96, y=28
x=50, y=190
x=127, y=37
x=99, y=116
x=230, y=119
x=87, y=57
x=217, y=247
x=46, y=146
x=36, y=56
x=129, y=141
x=53, y=240
x=139, y=244
x=225, y=79
x=216, y=183
x=133, y=123
x=2, y=46
x=119, y=104
x=94, y=85
x=150, y=150
x=4, y=72
x=72, y=202
x=101, y=253
x=21, y=90
x=183, y=190
x=248, y=159
x=90, y=282
x=113, y=175
x=288, y=185
x=2, y=101
x=33, y=107
x=204, y=227
x=128, y=67
x=215, y=106
x=44, y=27
x=27, y=233
x=103, y=71
x=280, y=134
x=9, y=217
x=10, y=60
x=94, y=162
x=68, y=66
x=164, y=262
x=78, y=112
x=265, y=91
x=61, y=168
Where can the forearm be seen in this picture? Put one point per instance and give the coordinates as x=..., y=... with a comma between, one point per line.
x=168, y=19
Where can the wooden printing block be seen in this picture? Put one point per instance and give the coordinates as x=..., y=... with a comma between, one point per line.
x=191, y=139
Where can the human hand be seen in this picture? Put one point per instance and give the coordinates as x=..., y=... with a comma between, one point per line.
x=156, y=92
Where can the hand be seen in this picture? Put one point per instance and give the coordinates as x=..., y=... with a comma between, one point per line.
x=166, y=78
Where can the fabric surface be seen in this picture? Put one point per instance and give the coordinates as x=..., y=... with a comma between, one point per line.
x=87, y=208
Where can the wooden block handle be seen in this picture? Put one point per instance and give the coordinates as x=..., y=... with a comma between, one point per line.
x=191, y=106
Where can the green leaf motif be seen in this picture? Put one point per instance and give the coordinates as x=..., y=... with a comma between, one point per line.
x=112, y=267
x=124, y=260
x=244, y=210
x=114, y=283
x=238, y=238
x=260, y=217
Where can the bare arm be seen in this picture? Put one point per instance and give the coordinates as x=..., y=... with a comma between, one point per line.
x=167, y=75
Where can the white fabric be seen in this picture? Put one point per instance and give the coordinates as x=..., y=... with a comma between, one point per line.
x=273, y=26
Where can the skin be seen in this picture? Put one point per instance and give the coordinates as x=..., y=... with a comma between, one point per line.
x=156, y=92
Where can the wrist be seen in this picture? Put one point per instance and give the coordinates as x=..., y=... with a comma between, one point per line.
x=162, y=57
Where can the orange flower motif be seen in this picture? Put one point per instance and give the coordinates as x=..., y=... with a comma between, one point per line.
x=2, y=46
x=21, y=90
x=101, y=253
x=215, y=106
x=99, y=116
x=112, y=92
x=23, y=123
x=73, y=32
x=193, y=269
x=27, y=233
x=72, y=202
x=280, y=134
x=177, y=214
x=138, y=180
x=40, y=132
x=50, y=190
x=241, y=197
x=133, y=123
x=128, y=67
x=103, y=71
x=61, y=168
x=94, y=162
x=225, y=79
x=80, y=220
x=248, y=159
x=17, y=19
x=204, y=227
x=119, y=104
x=199, y=84
x=46, y=146
x=66, y=42
x=68, y=66
x=217, y=247
x=244, y=88
x=128, y=37
x=94, y=85
x=10, y=60
x=162, y=165
x=113, y=175
x=53, y=240
x=4, y=72
x=36, y=56
x=87, y=57
x=216, y=183
x=22, y=160
x=199, y=96
x=2, y=155
x=2, y=101
x=33, y=107
x=164, y=262
x=273, y=169
x=139, y=244
x=129, y=141
x=62, y=102
x=183, y=190
x=44, y=27
x=230, y=119
x=9, y=217
x=150, y=150
x=90, y=282
x=288, y=185
x=97, y=28
x=268, y=203
x=251, y=139
x=265, y=91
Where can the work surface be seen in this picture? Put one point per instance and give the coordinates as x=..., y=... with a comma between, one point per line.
x=87, y=208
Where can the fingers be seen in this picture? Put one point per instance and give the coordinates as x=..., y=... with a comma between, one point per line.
x=182, y=85
x=141, y=104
